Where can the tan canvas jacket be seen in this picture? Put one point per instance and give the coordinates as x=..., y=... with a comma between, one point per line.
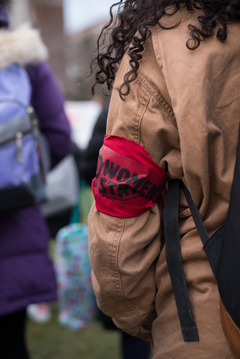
x=184, y=108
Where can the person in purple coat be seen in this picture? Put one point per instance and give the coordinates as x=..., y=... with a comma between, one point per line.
x=26, y=272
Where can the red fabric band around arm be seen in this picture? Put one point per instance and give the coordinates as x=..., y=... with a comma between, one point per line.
x=128, y=182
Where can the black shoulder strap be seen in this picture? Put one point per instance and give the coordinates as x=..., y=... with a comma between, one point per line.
x=222, y=249
x=174, y=262
x=196, y=216
x=211, y=245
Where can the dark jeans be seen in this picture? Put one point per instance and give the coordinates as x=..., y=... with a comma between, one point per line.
x=134, y=348
x=131, y=347
x=12, y=336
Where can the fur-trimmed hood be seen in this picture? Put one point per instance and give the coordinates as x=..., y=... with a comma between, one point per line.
x=22, y=46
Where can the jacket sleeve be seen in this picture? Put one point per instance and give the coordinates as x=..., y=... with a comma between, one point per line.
x=48, y=102
x=123, y=259
x=124, y=251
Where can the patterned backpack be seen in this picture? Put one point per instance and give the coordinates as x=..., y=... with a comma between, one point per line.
x=77, y=303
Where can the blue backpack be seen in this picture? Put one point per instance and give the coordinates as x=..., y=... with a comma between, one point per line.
x=21, y=179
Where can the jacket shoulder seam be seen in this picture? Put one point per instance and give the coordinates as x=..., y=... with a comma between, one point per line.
x=160, y=100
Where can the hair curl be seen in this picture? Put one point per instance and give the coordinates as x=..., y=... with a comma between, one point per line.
x=138, y=16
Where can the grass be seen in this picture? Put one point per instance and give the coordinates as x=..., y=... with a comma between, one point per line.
x=52, y=341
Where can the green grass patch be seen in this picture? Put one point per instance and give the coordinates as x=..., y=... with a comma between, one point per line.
x=53, y=341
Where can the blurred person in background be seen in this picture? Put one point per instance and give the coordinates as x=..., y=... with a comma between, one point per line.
x=131, y=347
x=26, y=272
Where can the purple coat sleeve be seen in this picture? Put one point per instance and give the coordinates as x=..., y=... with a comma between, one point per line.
x=48, y=102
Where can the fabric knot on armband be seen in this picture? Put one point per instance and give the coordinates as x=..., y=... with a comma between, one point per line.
x=128, y=182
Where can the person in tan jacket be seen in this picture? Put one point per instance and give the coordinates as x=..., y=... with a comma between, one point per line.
x=174, y=113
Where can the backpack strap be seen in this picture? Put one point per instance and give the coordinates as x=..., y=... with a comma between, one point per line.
x=174, y=262
x=211, y=245
x=196, y=216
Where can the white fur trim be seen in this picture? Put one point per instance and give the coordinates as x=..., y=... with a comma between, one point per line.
x=22, y=46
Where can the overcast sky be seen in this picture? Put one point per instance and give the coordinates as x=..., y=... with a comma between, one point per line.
x=81, y=14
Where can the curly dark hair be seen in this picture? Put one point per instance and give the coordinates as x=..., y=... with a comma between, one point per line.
x=139, y=16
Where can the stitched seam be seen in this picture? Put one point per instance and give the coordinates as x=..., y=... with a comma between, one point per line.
x=126, y=302
x=155, y=44
x=140, y=123
x=162, y=102
x=124, y=64
x=140, y=113
x=116, y=240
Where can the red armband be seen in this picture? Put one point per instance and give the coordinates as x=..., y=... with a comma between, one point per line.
x=128, y=182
